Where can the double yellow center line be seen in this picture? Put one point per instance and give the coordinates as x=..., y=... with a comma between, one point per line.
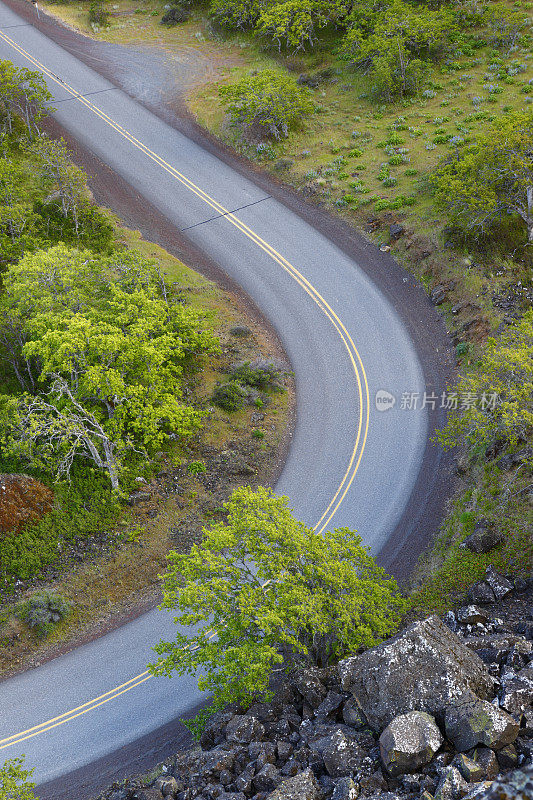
x=355, y=359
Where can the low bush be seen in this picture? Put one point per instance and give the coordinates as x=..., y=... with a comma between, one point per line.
x=43, y=611
x=229, y=396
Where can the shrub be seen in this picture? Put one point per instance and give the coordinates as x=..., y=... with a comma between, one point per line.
x=273, y=592
x=43, y=611
x=229, y=396
x=175, y=16
x=261, y=373
x=269, y=103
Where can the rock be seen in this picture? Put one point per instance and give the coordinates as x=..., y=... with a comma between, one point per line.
x=484, y=538
x=451, y=786
x=470, y=615
x=341, y=754
x=352, y=714
x=300, y=787
x=240, y=331
x=410, y=741
x=330, y=705
x=517, y=785
x=517, y=693
x=396, y=230
x=488, y=762
x=311, y=688
x=149, y=793
x=482, y=593
x=499, y=585
x=478, y=791
x=423, y=668
x=139, y=497
x=510, y=460
x=470, y=721
x=267, y=779
x=213, y=731
x=242, y=729
x=507, y=757
x=168, y=786
x=345, y=789
x=469, y=769
x=438, y=295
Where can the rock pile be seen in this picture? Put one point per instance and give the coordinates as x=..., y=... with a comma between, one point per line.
x=442, y=711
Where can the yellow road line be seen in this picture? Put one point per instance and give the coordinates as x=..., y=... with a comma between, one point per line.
x=353, y=353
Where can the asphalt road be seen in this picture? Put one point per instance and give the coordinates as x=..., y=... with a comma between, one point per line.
x=352, y=324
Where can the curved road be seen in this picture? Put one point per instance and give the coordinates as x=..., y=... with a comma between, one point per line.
x=353, y=325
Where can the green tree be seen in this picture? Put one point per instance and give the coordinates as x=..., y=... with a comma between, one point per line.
x=23, y=93
x=99, y=348
x=262, y=589
x=14, y=783
x=395, y=43
x=501, y=382
x=294, y=22
x=267, y=103
x=491, y=178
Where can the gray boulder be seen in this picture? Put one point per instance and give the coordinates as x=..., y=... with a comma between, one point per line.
x=451, y=786
x=469, y=769
x=486, y=759
x=345, y=789
x=517, y=693
x=410, y=741
x=423, y=668
x=471, y=615
x=308, y=683
x=470, y=721
x=243, y=729
x=484, y=539
x=500, y=585
x=517, y=785
x=301, y=787
x=267, y=779
x=340, y=753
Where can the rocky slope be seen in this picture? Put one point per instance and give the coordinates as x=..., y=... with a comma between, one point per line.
x=443, y=710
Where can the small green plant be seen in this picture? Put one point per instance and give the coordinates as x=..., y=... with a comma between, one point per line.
x=43, y=611
x=258, y=434
x=197, y=468
x=229, y=396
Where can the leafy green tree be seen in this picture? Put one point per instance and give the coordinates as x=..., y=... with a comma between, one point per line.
x=14, y=783
x=262, y=589
x=267, y=103
x=400, y=41
x=23, y=93
x=294, y=22
x=241, y=14
x=491, y=178
x=501, y=382
x=101, y=347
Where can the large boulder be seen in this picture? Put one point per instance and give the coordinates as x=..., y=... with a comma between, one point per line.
x=470, y=721
x=410, y=741
x=451, y=786
x=484, y=539
x=340, y=753
x=517, y=785
x=301, y=787
x=423, y=668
